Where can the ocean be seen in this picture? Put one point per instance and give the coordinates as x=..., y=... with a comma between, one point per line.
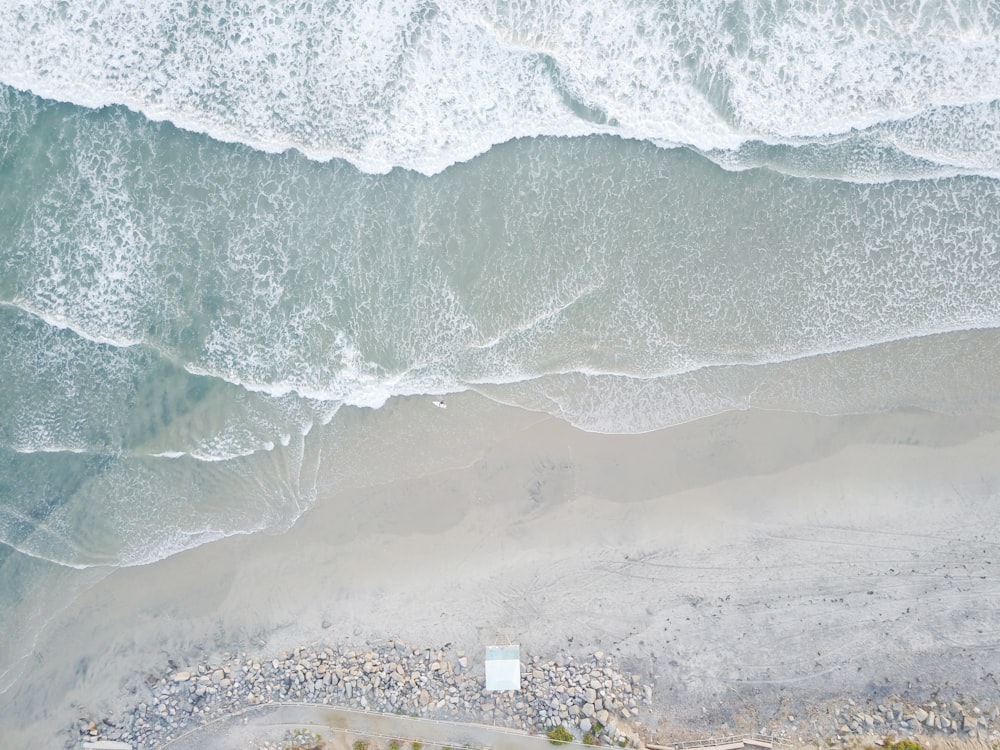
x=223, y=223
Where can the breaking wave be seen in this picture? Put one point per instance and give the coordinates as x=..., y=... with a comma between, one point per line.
x=863, y=93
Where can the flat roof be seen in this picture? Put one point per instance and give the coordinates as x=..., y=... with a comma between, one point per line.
x=503, y=668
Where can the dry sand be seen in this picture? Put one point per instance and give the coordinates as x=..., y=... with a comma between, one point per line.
x=750, y=561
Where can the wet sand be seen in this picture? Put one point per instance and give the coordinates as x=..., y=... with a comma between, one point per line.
x=744, y=563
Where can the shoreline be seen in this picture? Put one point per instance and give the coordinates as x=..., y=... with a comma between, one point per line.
x=754, y=562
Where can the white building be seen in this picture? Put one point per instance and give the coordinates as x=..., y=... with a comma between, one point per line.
x=503, y=667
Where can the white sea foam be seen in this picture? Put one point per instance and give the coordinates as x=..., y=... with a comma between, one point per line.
x=63, y=321
x=420, y=85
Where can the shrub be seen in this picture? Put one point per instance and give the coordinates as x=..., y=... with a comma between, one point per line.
x=360, y=745
x=591, y=739
x=559, y=735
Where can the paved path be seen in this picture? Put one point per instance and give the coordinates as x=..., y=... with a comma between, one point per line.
x=270, y=722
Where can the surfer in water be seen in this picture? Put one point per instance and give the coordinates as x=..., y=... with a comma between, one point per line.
x=439, y=403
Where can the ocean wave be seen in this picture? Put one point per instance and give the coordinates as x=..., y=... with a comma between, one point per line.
x=64, y=322
x=423, y=85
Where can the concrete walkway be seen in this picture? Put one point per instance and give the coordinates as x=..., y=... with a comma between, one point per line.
x=341, y=726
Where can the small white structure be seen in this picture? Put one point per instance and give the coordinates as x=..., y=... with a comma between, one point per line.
x=503, y=667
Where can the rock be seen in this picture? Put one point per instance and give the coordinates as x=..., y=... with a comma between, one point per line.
x=217, y=676
x=588, y=709
x=920, y=715
x=585, y=725
x=181, y=676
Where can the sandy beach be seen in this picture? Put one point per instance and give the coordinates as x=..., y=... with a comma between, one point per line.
x=748, y=562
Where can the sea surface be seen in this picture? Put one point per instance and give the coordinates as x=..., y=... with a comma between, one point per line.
x=221, y=223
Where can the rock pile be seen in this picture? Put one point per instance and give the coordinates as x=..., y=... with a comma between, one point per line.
x=934, y=717
x=587, y=696
x=898, y=718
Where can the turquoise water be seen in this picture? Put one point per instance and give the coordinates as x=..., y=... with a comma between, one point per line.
x=219, y=224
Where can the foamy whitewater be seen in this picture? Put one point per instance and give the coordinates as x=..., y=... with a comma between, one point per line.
x=221, y=223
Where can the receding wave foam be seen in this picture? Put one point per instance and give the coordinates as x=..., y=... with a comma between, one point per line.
x=422, y=85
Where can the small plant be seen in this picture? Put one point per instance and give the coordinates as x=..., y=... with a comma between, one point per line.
x=417, y=745
x=902, y=744
x=394, y=745
x=558, y=735
x=360, y=745
x=591, y=739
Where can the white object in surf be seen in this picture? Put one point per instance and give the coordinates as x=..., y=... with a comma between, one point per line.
x=440, y=404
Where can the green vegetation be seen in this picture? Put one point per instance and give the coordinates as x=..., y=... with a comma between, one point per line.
x=891, y=744
x=417, y=745
x=394, y=745
x=558, y=735
x=591, y=739
x=360, y=745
